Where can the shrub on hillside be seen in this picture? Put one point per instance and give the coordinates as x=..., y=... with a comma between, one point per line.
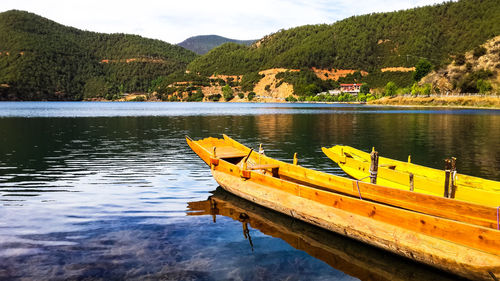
x=139, y=98
x=424, y=90
x=227, y=92
x=196, y=96
x=483, y=86
x=370, y=97
x=469, y=83
x=479, y=52
x=249, y=80
x=460, y=59
x=390, y=89
x=214, y=97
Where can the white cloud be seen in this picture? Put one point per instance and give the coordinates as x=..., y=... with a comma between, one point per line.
x=174, y=21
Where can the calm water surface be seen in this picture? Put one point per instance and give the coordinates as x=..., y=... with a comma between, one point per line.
x=111, y=191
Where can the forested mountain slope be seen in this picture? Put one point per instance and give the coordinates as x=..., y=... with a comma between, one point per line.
x=43, y=60
x=369, y=42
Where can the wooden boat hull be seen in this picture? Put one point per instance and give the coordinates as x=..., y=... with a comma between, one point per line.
x=442, y=243
x=393, y=173
x=349, y=256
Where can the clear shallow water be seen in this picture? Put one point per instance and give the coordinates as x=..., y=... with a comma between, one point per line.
x=101, y=190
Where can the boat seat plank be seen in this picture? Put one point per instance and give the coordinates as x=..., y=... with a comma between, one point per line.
x=229, y=152
x=264, y=166
x=230, y=155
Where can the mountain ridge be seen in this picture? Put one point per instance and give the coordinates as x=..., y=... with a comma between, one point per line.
x=202, y=44
x=43, y=60
x=370, y=42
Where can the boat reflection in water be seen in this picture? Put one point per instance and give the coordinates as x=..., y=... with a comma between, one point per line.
x=352, y=257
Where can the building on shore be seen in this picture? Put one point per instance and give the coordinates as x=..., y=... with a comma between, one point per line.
x=353, y=89
x=350, y=88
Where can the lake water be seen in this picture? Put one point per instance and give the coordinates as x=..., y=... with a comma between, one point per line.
x=111, y=191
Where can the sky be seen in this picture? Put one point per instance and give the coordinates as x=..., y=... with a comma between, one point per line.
x=175, y=20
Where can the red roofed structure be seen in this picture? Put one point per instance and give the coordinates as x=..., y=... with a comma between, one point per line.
x=350, y=88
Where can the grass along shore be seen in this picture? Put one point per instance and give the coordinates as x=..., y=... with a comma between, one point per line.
x=468, y=101
x=452, y=101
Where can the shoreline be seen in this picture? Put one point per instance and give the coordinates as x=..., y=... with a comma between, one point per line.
x=402, y=102
x=471, y=102
x=434, y=106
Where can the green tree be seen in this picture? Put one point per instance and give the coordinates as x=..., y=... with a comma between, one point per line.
x=390, y=89
x=370, y=97
x=422, y=68
x=424, y=90
x=483, y=86
x=227, y=92
x=312, y=89
x=415, y=89
x=364, y=89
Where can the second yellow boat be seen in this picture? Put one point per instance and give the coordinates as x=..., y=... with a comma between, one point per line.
x=396, y=174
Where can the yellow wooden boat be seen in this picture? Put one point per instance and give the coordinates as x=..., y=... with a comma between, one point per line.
x=452, y=235
x=396, y=174
x=349, y=256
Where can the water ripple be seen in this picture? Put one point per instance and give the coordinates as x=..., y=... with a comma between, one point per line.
x=97, y=198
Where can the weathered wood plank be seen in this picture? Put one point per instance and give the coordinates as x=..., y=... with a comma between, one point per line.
x=440, y=253
x=482, y=238
x=468, y=188
x=448, y=208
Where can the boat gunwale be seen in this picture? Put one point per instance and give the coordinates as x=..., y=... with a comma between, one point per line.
x=425, y=203
x=487, y=234
x=365, y=158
